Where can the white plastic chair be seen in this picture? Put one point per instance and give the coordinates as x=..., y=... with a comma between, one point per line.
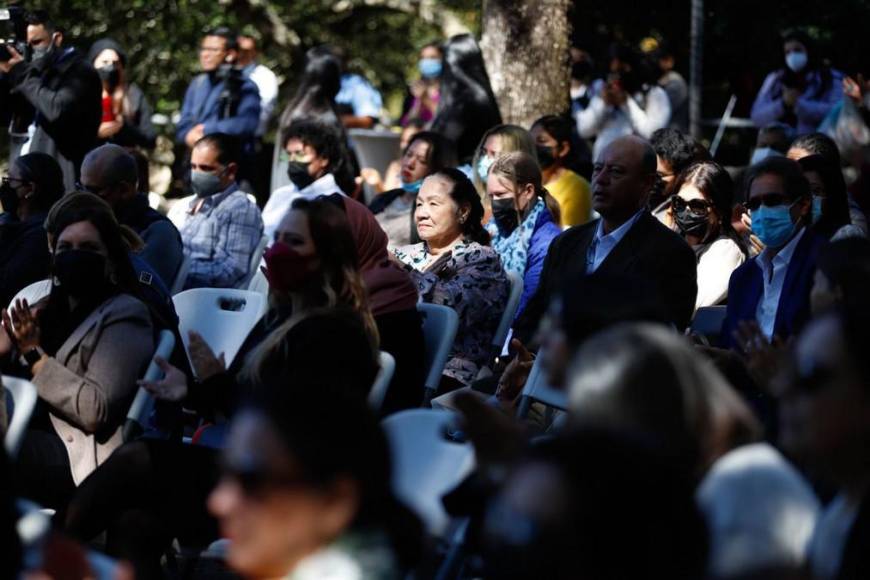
x=180, y=276
x=223, y=316
x=382, y=381
x=708, y=321
x=254, y=263
x=140, y=410
x=33, y=293
x=440, y=324
x=259, y=283
x=510, y=311
x=426, y=464
x=537, y=390
x=24, y=399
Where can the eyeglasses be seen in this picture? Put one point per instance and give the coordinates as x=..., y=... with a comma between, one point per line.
x=767, y=200
x=696, y=206
x=98, y=191
x=296, y=156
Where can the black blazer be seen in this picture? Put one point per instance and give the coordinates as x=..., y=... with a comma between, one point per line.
x=649, y=250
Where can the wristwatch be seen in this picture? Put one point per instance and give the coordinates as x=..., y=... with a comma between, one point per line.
x=32, y=356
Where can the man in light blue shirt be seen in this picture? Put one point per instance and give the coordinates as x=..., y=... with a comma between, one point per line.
x=358, y=102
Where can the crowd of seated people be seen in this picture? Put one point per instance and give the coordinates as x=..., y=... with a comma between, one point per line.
x=663, y=449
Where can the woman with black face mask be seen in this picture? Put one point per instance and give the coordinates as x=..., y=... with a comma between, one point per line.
x=701, y=210
x=33, y=184
x=83, y=350
x=126, y=111
x=566, y=165
x=524, y=218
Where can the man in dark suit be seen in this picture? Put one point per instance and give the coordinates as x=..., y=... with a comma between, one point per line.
x=627, y=240
x=771, y=292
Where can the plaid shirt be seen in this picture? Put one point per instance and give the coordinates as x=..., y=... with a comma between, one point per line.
x=220, y=238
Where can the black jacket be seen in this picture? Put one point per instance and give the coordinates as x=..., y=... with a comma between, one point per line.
x=65, y=95
x=24, y=256
x=649, y=251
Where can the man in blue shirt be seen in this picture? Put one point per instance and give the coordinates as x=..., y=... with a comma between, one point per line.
x=358, y=102
x=220, y=100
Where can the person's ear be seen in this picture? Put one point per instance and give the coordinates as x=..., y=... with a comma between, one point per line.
x=802, y=208
x=232, y=169
x=562, y=149
x=340, y=508
x=58, y=39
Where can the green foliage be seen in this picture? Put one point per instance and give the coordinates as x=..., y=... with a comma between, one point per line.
x=161, y=36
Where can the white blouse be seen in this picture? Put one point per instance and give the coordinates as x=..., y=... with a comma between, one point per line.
x=714, y=271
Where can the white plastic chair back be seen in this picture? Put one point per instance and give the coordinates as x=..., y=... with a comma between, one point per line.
x=223, y=316
x=536, y=389
x=33, y=293
x=259, y=282
x=24, y=399
x=254, y=263
x=382, y=381
x=440, y=324
x=375, y=149
x=180, y=276
x=708, y=321
x=426, y=465
x=140, y=410
x=510, y=311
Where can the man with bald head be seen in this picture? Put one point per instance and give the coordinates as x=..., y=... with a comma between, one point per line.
x=626, y=240
x=110, y=172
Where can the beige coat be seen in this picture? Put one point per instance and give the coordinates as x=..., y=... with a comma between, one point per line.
x=91, y=381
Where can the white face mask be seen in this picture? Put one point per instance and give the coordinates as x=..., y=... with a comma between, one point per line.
x=796, y=61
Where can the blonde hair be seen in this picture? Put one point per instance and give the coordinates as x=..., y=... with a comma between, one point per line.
x=521, y=169
x=513, y=138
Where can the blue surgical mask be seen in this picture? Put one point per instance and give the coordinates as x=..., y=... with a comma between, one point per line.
x=413, y=187
x=430, y=68
x=483, y=165
x=796, y=61
x=817, y=209
x=773, y=225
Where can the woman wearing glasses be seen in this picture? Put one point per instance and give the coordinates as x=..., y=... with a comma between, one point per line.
x=701, y=209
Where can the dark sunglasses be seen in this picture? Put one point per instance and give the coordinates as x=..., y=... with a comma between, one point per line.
x=256, y=481
x=767, y=200
x=697, y=206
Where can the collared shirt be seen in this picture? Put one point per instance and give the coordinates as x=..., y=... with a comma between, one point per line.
x=359, y=94
x=282, y=198
x=220, y=238
x=773, y=271
x=602, y=244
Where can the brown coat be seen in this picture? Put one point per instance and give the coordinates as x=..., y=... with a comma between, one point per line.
x=91, y=381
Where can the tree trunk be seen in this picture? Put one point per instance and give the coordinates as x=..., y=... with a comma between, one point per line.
x=525, y=45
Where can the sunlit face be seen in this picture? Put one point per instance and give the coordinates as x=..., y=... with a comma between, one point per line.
x=204, y=157
x=272, y=518
x=303, y=153
x=212, y=52
x=108, y=57
x=415, y=162
x=430, y=52
x=619, y=184
x=81, y=236
x=296, y=233
x=493, y=147
x=437, y=215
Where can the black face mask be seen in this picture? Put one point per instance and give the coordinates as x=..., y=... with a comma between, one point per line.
x=109, y=75
x=80, y=273
x=298, y=174
x=546, y=156
x=505, y=214
x=691, y=224
x=9, y=199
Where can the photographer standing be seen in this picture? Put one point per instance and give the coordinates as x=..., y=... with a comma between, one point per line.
x=55, y=97
x=221, y=99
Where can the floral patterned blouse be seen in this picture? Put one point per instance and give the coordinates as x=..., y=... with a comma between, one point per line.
x=472, y=282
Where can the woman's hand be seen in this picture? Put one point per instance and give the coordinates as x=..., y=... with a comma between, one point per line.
x=205, y=363
x=515, y=375
x=172, y=387
x=22, y=326
x=109, y=128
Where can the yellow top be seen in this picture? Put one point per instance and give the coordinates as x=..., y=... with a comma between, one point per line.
x=575, y=200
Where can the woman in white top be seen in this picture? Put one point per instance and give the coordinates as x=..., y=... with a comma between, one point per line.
x=701, y=210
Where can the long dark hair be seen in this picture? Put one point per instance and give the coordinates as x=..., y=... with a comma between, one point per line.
x=315, y=96
x=835, y=207
x=442, y=153
x=463, y=193
x=465, y=87
x=562, y=129
x=712, y=180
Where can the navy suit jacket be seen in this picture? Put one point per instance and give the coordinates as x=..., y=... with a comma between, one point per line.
x=202, y=105
x=746, y=289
